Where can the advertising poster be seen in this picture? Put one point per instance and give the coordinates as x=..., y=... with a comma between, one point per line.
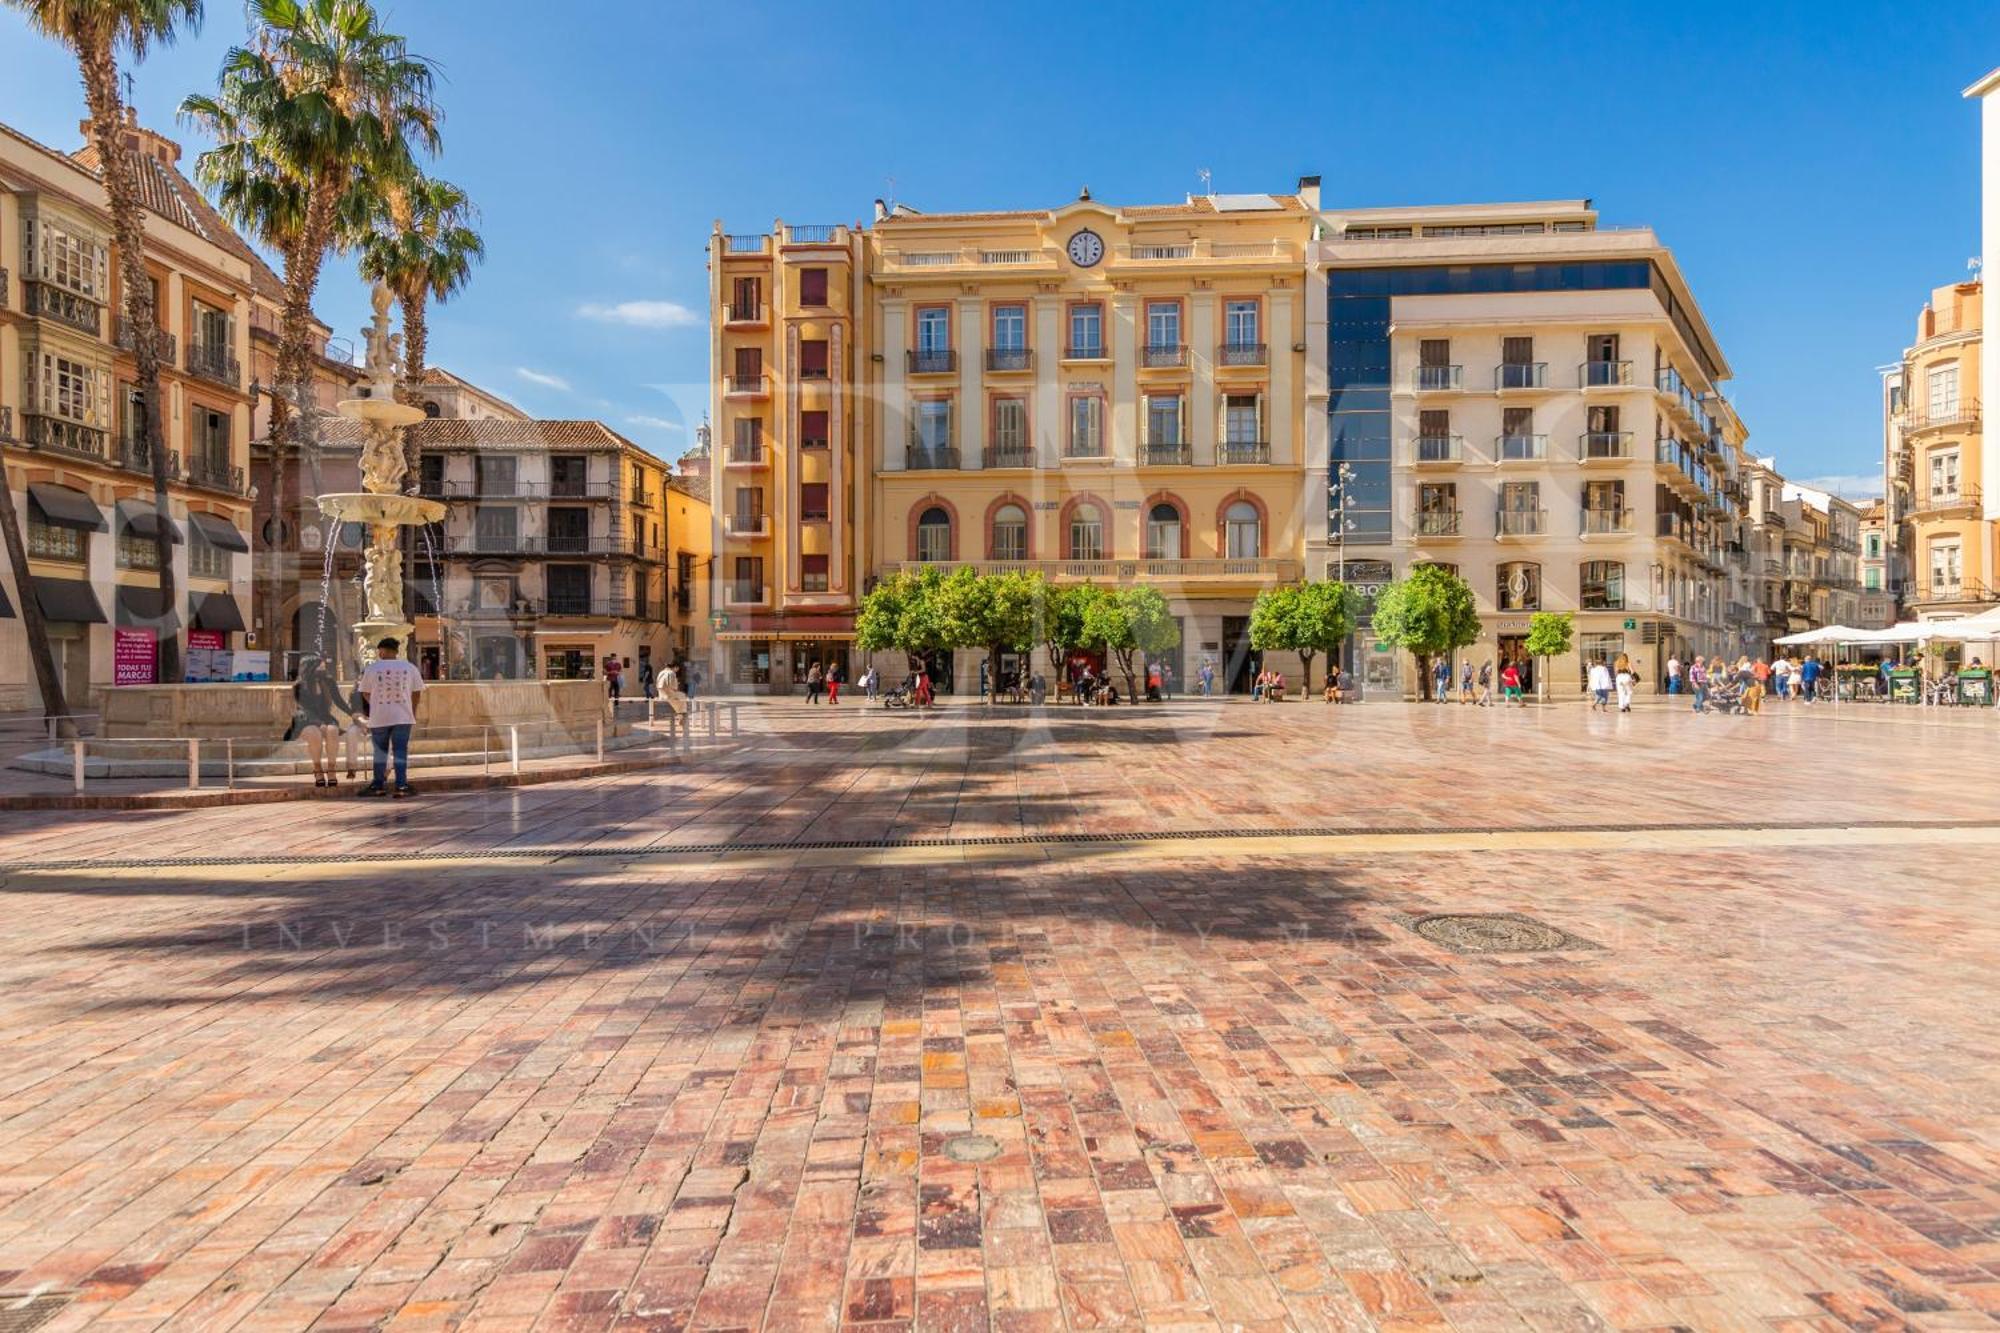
x=247, y=665
x=203, y=645
x=135, y=656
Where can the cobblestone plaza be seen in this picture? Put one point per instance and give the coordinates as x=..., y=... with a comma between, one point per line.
x=1185, y=1017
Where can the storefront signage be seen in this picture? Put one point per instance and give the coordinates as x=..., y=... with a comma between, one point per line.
x=135, y=656
x=204, y=646
x=254, y=666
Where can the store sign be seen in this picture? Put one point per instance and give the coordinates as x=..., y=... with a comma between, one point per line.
x=249, y=666
x=203, y=648
x=135, y=657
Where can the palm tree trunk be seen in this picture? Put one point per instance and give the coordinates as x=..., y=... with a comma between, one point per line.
x=100, y=90
x=416, y=343
x=30, y=611
x=302, y=266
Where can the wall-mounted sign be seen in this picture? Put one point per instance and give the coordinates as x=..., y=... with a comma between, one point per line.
x=135, y=656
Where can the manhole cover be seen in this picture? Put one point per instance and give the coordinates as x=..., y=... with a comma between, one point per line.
x=972, y=1148
x=20, y=1312
x=1493, y=932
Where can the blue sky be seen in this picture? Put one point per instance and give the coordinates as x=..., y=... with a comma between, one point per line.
x=1813, y=167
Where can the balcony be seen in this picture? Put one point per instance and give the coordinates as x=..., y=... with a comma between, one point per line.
x=746, y=243
x=999, y=359
x=1158, y=454
x=1942, y=592
x=1231, y=452
x=1960, y=415
x=1163, y=356
x=1674, y=527
x=7, y=424
x=215, y=475
x=63, y=306
x=494, y=543
x=569, y=488
x=597, y=608
x=215, y=364
x=1438, y=379
x=1090, y=351
x=1083, y=448
x=754, y=385
x=1520, y=522
x=745, y=315
x=137, y=456
x=1604, y=374
x=1242, y=354
x=1940, y=503
x=1520, y=448
x=816, y=234
x=1599, y=522
x=931, y=458
x=640, y=497
x=58, y=435
x=1510, y=375
x=573, y=543
x=747, y=456
x=933, y=362
x=1247, y=570
x=1604, y=446
x=1439, y=523
x=747, y=525
x=745, y=594
x=127, y=338
x=1010, y=455
x=1440, y=450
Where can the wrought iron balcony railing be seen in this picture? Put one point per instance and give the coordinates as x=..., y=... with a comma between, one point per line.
x=1010, y=358
x=1243, y=451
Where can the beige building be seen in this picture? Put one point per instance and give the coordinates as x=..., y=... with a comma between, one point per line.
x=1509, y=392
x=70, y=431
x=1935, y=461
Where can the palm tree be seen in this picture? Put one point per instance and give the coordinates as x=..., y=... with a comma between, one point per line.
x=320, y=102
x=422, y=245
x=94, y=31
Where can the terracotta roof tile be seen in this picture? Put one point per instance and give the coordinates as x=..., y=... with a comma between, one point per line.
x=165, y=191
x=492, y=433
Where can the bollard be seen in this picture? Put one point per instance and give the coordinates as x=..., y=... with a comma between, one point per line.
x=486, y=752
x=600, y=740
x=714, y=720
x=229, y=763
x=649, y=711
x=514, y=747
x=734, y=729
x=194, y=764
x=78, y=765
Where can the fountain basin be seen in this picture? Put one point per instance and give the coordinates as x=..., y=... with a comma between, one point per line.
x=385, y=410
x=367, y=507
x=260, y=712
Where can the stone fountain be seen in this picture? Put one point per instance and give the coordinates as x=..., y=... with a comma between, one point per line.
x=381, y=505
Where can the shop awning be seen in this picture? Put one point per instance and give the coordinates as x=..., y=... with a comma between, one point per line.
x=217, y=610
x=218, y=531
x=142, y=520
x=68, y=600
x=67, y=507
x=139, y=607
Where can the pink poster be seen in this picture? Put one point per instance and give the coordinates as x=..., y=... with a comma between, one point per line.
x=135, y=657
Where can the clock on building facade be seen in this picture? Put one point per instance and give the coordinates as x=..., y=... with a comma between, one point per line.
x=1085, y=249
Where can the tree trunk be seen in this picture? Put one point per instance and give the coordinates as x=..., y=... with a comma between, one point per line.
x=1306, y=656
x=1124, y=656
x=1424, y=677
x=416, y=342
x=100, y=90
x=302, y=266
x=30, y=611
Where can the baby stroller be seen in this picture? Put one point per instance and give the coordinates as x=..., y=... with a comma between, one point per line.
x=902, y=696
x=1726, y=696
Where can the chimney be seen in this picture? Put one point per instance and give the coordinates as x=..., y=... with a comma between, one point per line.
x=1309, y=192
x=881, y=210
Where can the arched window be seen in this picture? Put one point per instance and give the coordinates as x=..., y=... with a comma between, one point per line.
x=1086, y=533
x=1163, y=532
x=1519, y=586
x=934, y=535
x=431, y=409
x=1243, y=533
x=1010, y=533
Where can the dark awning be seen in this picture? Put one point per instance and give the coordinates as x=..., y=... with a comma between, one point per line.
x=67, y=507
x=217, y=531
x=138, y=606
x=217, y=610
x=142, y=520
x=68, y=600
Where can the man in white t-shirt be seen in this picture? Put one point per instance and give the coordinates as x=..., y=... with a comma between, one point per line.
x=391, y=686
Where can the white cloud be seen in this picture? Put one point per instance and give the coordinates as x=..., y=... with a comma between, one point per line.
x=543, y=378
x=641, y=314
x=655, y=423
x=1853, y=486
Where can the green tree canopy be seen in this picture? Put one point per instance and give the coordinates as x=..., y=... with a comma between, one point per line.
x=1305, y=618
x=1059, y=619
x=1427, y=612
x=1550, y=634
x=1131, y=621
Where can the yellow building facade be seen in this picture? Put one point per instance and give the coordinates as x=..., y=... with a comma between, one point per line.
x=1935, y=470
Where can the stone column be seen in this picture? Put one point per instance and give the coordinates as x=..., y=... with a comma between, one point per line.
x=970, y=416
x=1278, y=338
x=894, y=419
x=1046, y=412
x=1122, y=427
x=1202, y=344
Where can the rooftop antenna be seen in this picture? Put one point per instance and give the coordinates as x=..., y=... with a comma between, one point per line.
x=1207, y=183
x=889, y=183
x=1972, y=265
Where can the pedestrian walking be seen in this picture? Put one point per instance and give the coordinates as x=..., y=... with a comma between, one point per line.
x=1698, y=681
x=815, y=681
x=1781, y=677
x=1600, y=686
x=1623, y=678
x=1485, y=699
x=1808, y=677
x=391, y=687
x=1166, y=680
x=871, y=682
x=1441, y=681
x=1674, y=674
x=833, y=683
x=1207, y=679
x=649, y=680
x=613, y=677
x=1465, y=695
x=923, y=690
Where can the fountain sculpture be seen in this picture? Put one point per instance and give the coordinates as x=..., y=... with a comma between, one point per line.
x=381, y=504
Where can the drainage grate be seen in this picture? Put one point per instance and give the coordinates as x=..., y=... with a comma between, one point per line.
x=21, y=1312
x=1493, y=932
x=582, y=851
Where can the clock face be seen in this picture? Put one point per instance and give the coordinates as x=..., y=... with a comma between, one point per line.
x=1085, y=249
